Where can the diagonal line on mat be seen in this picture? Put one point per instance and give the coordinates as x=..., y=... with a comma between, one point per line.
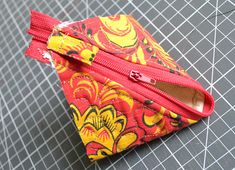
x=211, y=84
x=4, y=132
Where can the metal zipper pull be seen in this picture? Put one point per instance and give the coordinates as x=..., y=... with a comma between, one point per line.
x=137, y=76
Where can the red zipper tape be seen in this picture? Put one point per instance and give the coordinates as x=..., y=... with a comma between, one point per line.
x=124, y=72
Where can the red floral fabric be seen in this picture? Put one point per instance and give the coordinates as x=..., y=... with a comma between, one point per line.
x=111, y=112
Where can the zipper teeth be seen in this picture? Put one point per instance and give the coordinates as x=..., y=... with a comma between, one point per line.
x=125, y=72
x=108, y=52
x=41, y=26
x=108, y=62
x=123, y=77
x=144, y=92
x=121, y=70
x=100, y=60
x=39, y=23
x=103, y=60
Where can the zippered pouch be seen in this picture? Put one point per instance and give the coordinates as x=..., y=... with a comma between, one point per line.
x=122, y=87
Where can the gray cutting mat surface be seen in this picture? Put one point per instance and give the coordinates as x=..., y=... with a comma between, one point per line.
x=36, y=130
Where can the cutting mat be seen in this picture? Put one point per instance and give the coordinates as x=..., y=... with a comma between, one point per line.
x=36, y=130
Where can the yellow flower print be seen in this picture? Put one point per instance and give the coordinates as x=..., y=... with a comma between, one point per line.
x=118, y=30
x=180, y=121
x=191, y=121
x=73, y=47
x=99, y=95
x=156, y=121
x=164, y=58
x=151, y=120
x=100, y=123
x=102, y=126
x=137, y=57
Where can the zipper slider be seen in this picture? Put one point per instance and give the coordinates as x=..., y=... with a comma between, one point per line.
x=137, y=76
